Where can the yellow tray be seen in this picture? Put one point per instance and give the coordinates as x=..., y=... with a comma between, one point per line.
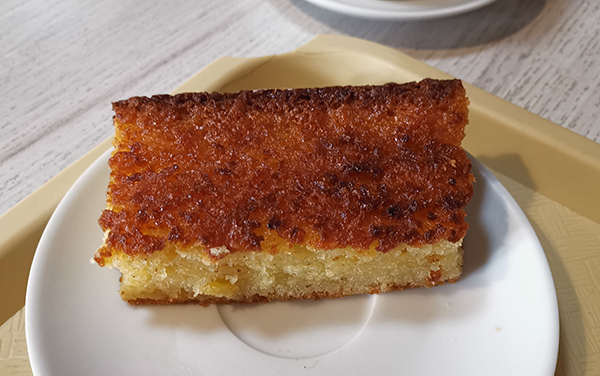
x=553, y=174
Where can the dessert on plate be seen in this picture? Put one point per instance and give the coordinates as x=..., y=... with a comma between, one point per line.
x=287, y=194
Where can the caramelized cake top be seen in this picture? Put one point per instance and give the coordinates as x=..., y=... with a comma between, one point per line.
x=329, y=167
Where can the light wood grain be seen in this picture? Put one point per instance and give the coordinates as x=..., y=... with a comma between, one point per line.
x=63, y=62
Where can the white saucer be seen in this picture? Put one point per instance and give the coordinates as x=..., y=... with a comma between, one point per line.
x=401, y=9
x=500, y=318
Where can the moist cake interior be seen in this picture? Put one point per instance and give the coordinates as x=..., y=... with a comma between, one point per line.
x=287, y=194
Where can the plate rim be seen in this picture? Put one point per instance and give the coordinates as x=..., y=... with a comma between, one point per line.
x=37, y=357
x=419, y=13
x=30, y=316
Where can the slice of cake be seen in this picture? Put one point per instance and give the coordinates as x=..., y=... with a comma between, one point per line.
x=287, y=194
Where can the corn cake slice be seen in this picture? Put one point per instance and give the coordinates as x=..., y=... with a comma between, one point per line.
x=287, y=194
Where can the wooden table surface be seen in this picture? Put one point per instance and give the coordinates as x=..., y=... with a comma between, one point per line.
x=63, y=62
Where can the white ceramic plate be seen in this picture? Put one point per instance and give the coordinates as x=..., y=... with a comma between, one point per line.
x=501, y=318
x=401, y=9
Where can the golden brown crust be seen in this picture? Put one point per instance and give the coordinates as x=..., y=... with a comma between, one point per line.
x=331, y=167
x=206, y=300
